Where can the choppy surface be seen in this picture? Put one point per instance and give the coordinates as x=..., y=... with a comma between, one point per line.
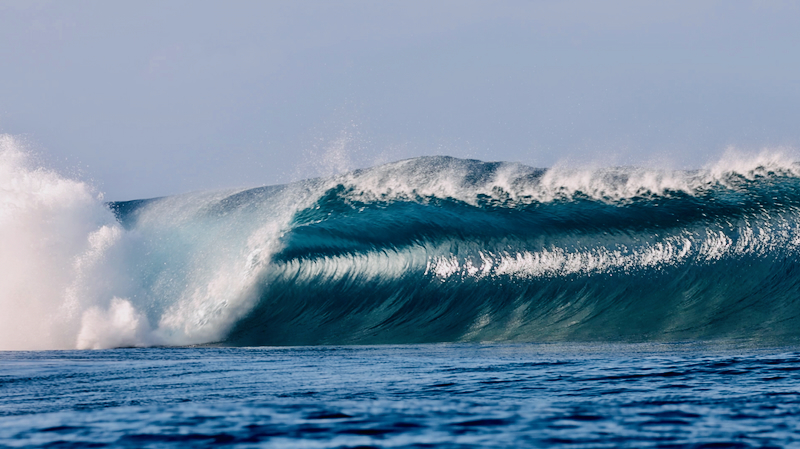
x=644, y=395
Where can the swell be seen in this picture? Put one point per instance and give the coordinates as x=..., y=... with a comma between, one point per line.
x=442, y=249
x=718, y=260
x=432, y=249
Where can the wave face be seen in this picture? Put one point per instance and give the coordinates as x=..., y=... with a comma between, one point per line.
x=433, y=249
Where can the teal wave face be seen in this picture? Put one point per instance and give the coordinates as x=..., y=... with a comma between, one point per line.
x=441, y=249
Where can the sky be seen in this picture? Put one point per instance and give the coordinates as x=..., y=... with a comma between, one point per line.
x=152, y=98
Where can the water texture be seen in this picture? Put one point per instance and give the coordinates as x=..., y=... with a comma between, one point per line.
x=462, y=395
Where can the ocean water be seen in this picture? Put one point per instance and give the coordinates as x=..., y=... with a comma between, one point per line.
x=431, y=301
x=429, y=395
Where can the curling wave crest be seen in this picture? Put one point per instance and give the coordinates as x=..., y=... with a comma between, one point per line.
x=429, y=249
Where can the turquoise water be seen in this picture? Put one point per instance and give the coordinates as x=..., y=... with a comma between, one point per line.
x=442, y=395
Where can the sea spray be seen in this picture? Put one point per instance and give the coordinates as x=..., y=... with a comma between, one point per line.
x=58, y=258
x=74, y=277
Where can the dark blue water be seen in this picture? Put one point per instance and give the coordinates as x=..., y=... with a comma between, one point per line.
x=448, y=395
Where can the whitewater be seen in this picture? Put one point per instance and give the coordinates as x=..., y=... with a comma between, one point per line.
x=424, y=250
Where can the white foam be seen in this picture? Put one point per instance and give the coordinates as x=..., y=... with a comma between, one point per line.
x=73, y=277
x=448, y=178
x=54, y=234
x=760, y=240
x=118, y=326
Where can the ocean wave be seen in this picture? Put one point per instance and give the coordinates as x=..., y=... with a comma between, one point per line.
x=431, y=249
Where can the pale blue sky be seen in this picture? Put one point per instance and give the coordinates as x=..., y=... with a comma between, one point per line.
x=149, y=98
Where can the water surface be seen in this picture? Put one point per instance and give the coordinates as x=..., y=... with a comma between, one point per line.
x=448, y=395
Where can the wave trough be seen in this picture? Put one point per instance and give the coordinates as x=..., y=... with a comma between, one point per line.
x=432, y=249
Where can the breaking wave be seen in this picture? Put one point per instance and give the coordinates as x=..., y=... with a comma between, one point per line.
x=432, y=249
